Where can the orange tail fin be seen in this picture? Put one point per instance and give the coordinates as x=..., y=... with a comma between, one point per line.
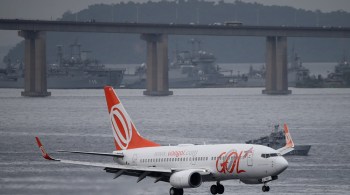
x=124, y=130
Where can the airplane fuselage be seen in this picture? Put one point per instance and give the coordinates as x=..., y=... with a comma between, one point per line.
x=224, y=161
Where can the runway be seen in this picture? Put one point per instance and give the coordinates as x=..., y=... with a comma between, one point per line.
x=78, y=120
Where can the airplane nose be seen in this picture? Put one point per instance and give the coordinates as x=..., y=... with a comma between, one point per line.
x=281, y=165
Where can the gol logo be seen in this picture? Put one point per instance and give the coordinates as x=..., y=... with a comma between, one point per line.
x=228, y=162
x=121, y=125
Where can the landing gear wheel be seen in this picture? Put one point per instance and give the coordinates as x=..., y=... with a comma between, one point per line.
x=266, y=188
x=180, y=191
x=214, y=189
x=172, y=191
x=221, y=189
x=175, y=191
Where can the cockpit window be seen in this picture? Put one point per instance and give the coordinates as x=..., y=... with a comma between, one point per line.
x=269, y=155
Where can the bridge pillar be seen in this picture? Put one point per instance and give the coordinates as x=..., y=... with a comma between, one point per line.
x=35, y=83
x=276, y=66
x=157, y=65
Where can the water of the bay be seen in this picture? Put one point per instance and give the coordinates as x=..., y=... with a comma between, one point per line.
x=78, y=120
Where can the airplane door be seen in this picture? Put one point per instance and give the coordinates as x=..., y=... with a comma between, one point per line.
x=250, y=159
x=193, y=162
x=134, y=159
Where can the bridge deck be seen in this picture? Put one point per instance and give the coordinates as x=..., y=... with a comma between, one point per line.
x=174, y=29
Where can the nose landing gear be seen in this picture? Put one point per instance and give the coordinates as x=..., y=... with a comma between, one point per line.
x=217, y=189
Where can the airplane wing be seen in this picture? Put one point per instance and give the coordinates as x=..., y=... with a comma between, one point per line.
x=94, y=153
x=289, y=142
x=160, y=174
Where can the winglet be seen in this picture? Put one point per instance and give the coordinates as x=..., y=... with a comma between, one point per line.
x=289, y=140
x=42, y=149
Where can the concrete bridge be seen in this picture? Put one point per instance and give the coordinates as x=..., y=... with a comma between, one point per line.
x=156, y=36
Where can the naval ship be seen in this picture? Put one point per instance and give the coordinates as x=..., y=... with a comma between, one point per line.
x=189, y=69
x=277, y=140
x=198, y=68
x=78, y=71
x=341, y=75
x=297, y=74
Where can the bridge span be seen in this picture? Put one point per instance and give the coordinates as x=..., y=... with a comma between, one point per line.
x=156, y=37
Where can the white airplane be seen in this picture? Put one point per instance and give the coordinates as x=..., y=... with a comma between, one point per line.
x=184, y=165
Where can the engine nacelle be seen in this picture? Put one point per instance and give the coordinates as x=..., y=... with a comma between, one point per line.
x=186, y=179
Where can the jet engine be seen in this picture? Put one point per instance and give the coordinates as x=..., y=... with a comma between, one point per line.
x=186, y=179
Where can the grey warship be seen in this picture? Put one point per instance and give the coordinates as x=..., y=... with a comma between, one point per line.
x=276, y=140
x=341, y=75
x=78, y=71
x=189, y=69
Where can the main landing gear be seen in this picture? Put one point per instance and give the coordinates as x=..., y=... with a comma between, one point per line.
x=176, y=191
x=265, y=188
x=217, y=189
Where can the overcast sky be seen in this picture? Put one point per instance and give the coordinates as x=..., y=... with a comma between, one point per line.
x=47, y=9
